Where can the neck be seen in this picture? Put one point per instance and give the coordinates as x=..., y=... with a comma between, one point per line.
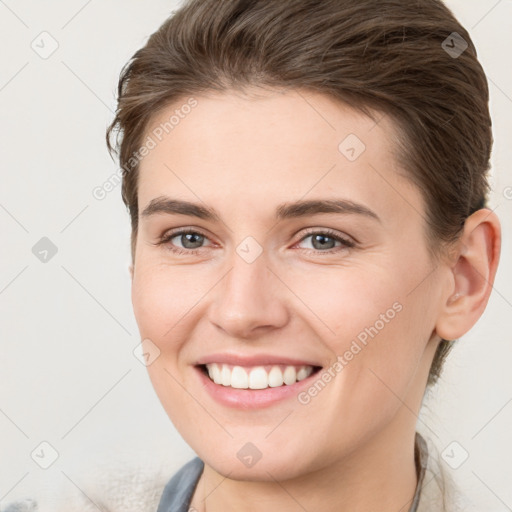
x=379, y=476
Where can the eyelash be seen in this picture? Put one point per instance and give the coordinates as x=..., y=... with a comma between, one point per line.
x=166, y=238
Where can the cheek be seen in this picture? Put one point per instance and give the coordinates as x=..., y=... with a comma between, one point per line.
x=375, y=318
x=161, y=299
x=162, y=296
x=345, y=302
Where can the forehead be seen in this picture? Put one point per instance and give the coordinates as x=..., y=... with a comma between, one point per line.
x=303, y=120
x=272, y=146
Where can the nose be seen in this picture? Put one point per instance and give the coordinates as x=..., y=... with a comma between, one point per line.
x=250, y=300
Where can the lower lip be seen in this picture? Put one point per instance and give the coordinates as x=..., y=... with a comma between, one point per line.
x=252, y=398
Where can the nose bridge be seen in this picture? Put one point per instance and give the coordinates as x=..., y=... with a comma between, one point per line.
x=248, y=296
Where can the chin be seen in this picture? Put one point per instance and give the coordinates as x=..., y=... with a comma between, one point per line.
x=272, y=464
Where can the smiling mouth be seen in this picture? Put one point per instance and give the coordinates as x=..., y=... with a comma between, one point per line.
x=257, y=377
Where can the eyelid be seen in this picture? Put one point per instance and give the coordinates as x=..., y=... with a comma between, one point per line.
x=171, y=233
x=328, y=231
x=347, y=242
x=182, y=230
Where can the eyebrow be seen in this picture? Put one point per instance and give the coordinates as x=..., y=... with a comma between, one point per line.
x=295, y=209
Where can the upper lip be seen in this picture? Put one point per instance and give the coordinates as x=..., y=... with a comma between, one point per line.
x=254, y=360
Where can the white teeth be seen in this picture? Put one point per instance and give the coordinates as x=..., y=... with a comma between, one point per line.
x=275, y=377
x=303, y=373
x=215, y=373
x=239, y=378
x=225, y=376
x=290, y=375
x=257, y=377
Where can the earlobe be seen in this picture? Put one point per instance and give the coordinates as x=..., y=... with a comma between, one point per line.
x=473, y=275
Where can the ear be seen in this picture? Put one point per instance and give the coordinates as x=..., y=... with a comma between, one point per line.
x=472, y=276
x=130, y=268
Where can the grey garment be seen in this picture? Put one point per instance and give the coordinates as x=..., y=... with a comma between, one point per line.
x=21, y=506
x=178, y=492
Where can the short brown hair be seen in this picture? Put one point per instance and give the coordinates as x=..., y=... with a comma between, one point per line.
x=412, y=61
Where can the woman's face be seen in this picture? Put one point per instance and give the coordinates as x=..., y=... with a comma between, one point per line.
x=272, y=282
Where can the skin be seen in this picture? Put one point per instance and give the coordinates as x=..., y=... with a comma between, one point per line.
x=352, y=446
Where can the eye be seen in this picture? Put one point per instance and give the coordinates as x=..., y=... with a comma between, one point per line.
x=325, y=241
x=191, y=241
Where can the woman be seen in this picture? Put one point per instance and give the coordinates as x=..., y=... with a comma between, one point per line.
x=307, y=188
x=307, y=185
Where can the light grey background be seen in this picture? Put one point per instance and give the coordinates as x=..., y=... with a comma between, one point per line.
x=68, y=373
